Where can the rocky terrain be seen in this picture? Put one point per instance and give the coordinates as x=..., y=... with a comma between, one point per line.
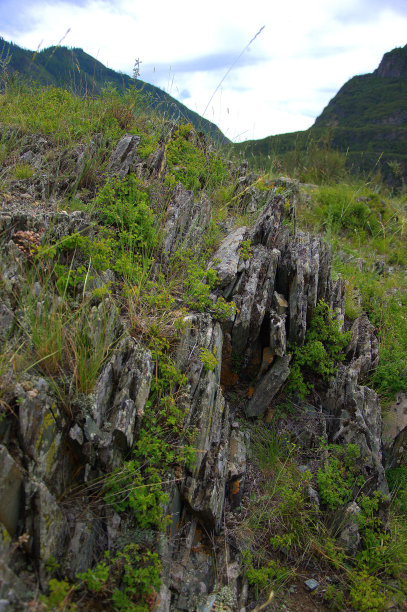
x=154, y=410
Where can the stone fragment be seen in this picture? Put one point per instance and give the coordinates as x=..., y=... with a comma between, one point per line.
x=278, y=339
x=229, y=256
x=311, y=584
x=124, y=157
x=76, y=434
x=120, y=396
x=280, y=303
x=349, y=537
x=268, y=387
x=11, y=491
x=186, y=220
x=163, y=602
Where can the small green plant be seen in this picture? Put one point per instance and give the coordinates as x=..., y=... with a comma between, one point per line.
x=337, y=479
x=123, y=203
x=23, y=171
x=52, y=566
x=223, y=310
x=272, y=575
x=322, y=350
x=245, y=249
x=209, y=359
x=131, y=487
x=60, y=596
x=366, y=593
x=191, y=164
x=126, y=582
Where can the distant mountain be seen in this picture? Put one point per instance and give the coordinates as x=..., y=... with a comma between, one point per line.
x=367, y=119
x=85, y=75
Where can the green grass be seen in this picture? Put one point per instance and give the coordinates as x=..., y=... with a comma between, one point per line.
x=76, y=288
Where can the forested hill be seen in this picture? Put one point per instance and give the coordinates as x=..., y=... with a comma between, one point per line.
x=376, y=99
x=77, y=70
x=367, y=120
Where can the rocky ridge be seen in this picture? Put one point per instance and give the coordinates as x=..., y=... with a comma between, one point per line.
x=51, y=454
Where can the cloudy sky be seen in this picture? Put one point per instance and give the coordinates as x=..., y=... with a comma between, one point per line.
x=278, y=83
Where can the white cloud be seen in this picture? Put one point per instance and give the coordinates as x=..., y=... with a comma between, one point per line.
x=307, y=50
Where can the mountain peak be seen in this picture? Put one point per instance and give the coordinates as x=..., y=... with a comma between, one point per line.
x=393, y=64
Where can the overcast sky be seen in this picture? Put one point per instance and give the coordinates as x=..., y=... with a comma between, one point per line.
x=279, y=83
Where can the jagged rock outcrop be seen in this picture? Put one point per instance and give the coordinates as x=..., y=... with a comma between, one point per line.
x=52, y=453
x=186, y=220
x=356, y=409
x=120, y=397
x=124, y=158
x=204, y=487
x=269, y=386
x=276, y=288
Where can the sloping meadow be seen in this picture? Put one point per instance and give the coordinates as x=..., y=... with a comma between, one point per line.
x=190, y=391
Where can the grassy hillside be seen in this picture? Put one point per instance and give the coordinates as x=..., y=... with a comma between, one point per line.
x=83, y=74
x=366, y=120
x=55, y=148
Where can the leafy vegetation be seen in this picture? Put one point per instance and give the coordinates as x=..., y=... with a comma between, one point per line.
x=281, y=524
x=127, y=581
x=79, y=288
x=323, y=349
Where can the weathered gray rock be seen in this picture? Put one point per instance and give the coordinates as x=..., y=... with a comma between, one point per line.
x=311, y=584
x=11, y=491
x=349, y=537
x=268, y=387
x=268, y=230
x=204, y=485
x=86, y=537
x=53, y=224
x=395, y=431
x=124, y=158
x=41, y=427
x=120, y=396
x=46, y=525
x=304, y=276
x=280, y=304
x=6, y=322
x=356, y=409
x=163, y=601
x=186, y=220
x=278, y=338
x=12, y=588
x=229, y=257
x=363, y=349
x=358, y=421
x=252, y=295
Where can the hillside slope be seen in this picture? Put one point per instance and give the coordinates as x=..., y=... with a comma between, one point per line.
x=367, y=120
x=190, y=383
x=85, y=75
